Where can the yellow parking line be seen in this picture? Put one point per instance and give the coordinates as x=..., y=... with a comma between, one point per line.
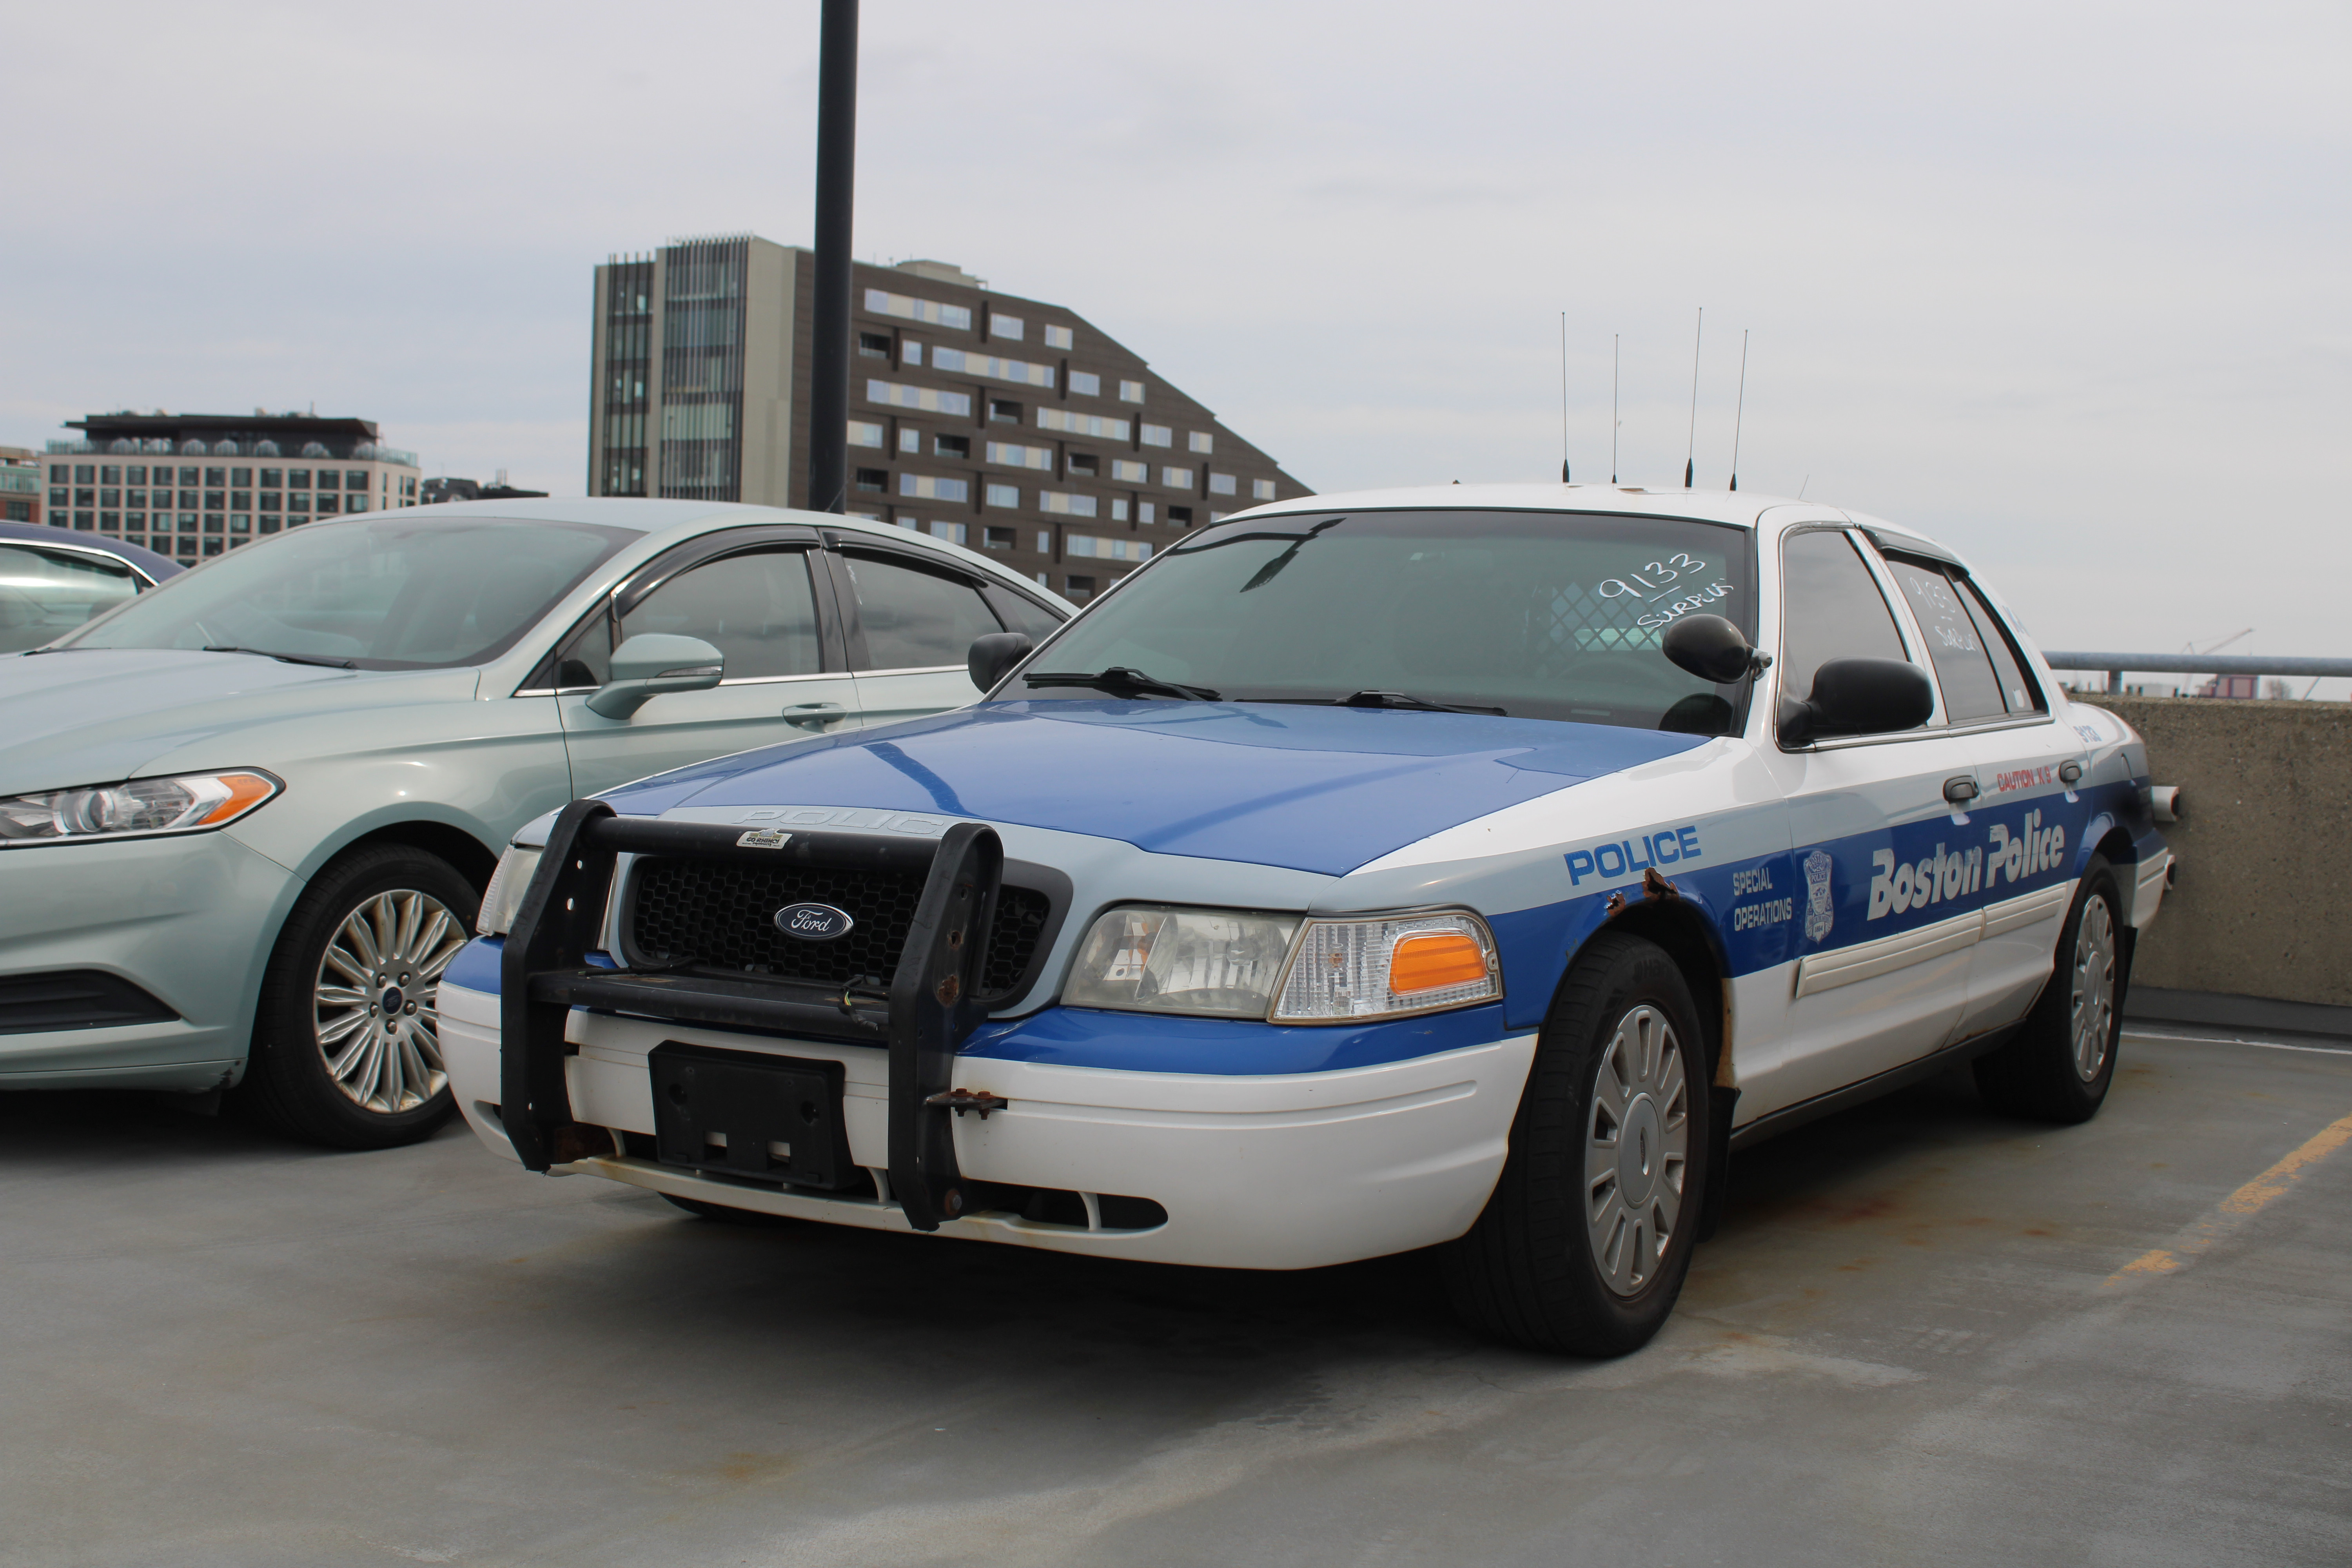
x=2238, y=1207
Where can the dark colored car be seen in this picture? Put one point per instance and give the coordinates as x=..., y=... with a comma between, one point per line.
x=52, y=581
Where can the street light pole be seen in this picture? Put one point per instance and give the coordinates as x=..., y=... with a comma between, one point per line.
x=836, y=171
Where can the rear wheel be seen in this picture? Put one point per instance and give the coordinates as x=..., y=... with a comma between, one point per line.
x=1584, y=1244
x=346, y=1045
x=2059, y=1065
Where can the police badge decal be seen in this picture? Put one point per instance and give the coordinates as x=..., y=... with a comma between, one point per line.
x=1819, y=915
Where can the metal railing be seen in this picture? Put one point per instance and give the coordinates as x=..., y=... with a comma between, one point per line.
x=336, y=452
x=2115, y=664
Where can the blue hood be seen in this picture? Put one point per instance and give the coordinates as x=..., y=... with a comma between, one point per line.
x=1309, y=788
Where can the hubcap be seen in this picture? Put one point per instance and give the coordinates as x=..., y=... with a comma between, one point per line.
x=373, y=1000
x=1636, y=1151
x=2093, y=1015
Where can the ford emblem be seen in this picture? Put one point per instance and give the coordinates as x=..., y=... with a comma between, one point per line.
x=813, y=922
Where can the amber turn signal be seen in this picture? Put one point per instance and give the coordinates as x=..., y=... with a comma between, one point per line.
x=1430, y=961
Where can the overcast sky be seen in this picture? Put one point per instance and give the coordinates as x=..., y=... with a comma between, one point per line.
x=2063, y=285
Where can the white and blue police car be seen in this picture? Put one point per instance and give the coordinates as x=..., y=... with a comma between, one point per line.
x=1471, y=867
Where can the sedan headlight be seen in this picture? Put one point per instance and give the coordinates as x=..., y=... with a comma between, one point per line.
x=1154, y=958
x=188, y=802
x=502, y=900
x=1384, y=965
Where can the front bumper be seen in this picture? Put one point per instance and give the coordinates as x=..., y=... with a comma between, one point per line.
x=188, y=920
x=1289, y=1170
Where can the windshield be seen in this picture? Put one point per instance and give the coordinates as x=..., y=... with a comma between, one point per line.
x=395, y=592
x=1542, y=614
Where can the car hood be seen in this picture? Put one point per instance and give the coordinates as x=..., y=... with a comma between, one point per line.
x=1310, y=788
x=94, y=715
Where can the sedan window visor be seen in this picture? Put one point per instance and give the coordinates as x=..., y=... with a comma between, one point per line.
x=1119, y=680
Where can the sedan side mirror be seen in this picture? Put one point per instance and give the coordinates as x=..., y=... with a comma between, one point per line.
x=651, y=663
x=1712, y=648
x=991, y=655
x=1858, y=697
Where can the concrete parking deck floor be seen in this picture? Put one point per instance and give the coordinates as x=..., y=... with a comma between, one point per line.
x=1911, y=1343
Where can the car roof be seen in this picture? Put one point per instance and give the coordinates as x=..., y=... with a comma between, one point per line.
x=156, y=567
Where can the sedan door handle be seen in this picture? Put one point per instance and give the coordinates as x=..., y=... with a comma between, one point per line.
x=813, y=715
x=1959, y=791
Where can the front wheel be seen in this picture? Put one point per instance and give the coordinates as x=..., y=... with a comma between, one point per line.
x=2059, y=1065
x=347, y=1045
x=1583, y=1246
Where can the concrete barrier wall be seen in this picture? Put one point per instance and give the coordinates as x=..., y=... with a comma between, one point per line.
x=2263, y=906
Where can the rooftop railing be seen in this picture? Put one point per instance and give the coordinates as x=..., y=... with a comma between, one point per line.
x=2115, y=665
x=317, y=451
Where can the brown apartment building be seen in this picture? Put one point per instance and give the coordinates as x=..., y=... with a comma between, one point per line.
x=1003, y=423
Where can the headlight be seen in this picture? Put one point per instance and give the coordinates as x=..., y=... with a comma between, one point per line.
x=503, y=898
x=1389, y=964
x=189, y=803
x=1152, y=958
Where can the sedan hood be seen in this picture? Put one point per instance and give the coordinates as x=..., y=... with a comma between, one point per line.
x=1310, y=788
x=96, y=715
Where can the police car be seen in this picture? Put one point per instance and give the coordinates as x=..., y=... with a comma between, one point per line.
x=1471, y=868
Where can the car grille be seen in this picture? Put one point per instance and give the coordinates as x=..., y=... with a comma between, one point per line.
x=720, y=915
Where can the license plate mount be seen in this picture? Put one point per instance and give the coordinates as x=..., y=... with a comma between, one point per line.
x=747, y=1115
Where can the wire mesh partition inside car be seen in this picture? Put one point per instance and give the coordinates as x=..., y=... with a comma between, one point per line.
x=721, y=916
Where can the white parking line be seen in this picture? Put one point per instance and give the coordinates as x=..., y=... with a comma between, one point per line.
x=2344, y=1049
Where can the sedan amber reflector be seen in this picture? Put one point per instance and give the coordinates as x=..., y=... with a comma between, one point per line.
x=245, y=791
x=1430, y=961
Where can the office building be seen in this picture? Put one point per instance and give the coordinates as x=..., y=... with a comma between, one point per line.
x=20, y=485
x=1002, y=423
x=194, y=485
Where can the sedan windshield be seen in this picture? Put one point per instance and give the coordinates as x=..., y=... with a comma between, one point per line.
x=396, y=592
x=1536, y=615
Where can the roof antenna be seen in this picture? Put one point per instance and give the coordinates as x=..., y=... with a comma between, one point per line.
x=1616, y=341
x=1690, y=455
x=1740, y=409
x=1563, y=397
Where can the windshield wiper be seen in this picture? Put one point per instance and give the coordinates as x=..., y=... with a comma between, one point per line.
x=282, y=658
x=1400, y=700
x=1118, y=678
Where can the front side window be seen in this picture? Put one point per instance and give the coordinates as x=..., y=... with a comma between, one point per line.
x=1832, y=606
x=913, y=618
x=384, y=593
x=46, y=594
x=1541, y=615
x=756, y=609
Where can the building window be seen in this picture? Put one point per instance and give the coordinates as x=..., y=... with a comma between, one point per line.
x=910, y=352
x=1176, y=479
x=1004, y=495
x=270, y=501
x=1078, y=590
x=1159, y=436
x=1100, y=549
x=1118, y=509
x=110, y=497
x=1129, y=473
x=1044, y=543
x=1009, y=328
x=873, y=478
x=1261, y=490
x=910, y=440
x=1003, y=413
x=238, y=522
x=295, y=503
x=241, y=500
x=876, y=345
x=1144, y=511
x=1201, y=441
x=1063, y=501
x=1085, y=463
x=864, y=433
x=240, y=479
x=110, y=522
x=951, y=446
x=1130, y=392
x=1094, y=425
x=953, y=532
x=86, y=497
x=326, y=503
x=1180, y=517
x=217, y=479
x=355, y=479
x=215, y=500
x=1085, y=383
x=87, y=473
x=61, y=474
x=907, y=308
x=929, y=399
x=1060, y=337
x=110, y=474
x=295, y=478
x=1223, y=484
x=1021, y=372
x=273, y=478
x=926, y=487
x=1013, y=455
x=1000, y=538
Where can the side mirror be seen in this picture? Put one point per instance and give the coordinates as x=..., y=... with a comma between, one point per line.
x=1711, y=648
x=991, y=655
x=1858, y=697
x=651, y=663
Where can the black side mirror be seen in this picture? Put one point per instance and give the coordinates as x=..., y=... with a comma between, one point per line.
x=1711, y=648
x=994, y=654
x=1858, y=697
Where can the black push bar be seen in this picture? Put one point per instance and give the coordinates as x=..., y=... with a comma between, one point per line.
x=931, y=1007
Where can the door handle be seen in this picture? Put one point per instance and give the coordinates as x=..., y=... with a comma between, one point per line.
x=813, y=715
x=1960, y=789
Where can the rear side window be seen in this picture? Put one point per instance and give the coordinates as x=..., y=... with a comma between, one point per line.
x=2019, y=690
x=45, y=596
x=1963, y=669
x=1833, y=609
x=913, y=618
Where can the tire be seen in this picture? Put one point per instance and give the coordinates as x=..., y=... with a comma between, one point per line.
x=1562, y=1258
x=725, y=1216
x=2059, y=1065
x=392, y=917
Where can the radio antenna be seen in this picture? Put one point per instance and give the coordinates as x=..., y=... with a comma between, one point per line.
x=1740, y=409
x=1615, y=342
x=1563, y=397
x=1690, y=455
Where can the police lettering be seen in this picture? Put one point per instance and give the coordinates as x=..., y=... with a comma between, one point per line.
x=2005, y=857
x=1631, y=856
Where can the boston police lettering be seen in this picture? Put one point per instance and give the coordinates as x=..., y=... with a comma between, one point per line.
x=2011, y=856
